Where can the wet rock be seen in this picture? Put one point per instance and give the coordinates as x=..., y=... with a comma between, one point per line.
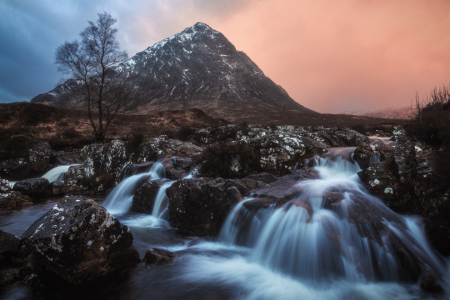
x=285, y=188
x=180, y=166
x=199, y=206
x=104, y=163
x=67, y=158
x=34, y=187
x=362, y=155
x=409, y=181
x=144, y=198
x=429, y=284
x=161, y=147
x=15, y=169
x=134, y=169
x=80, y=240
x=9, y=246
x=155, y=256
x=5, y=187
x=57, y=188
x=13, y=200
x=39, y=156
x=9, y=276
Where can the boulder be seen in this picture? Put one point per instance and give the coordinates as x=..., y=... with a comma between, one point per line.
x=33, y=187
x=199, y=206
x=104, y=163
x=362, y=155
x=163, y=147
x=134, y=169
x=9, y=246
x=80, y=240
x=67, y=158
x=155, y=256
x=36, y=163
x=15, y=169
x=144, y=197
x=180, y=166
x=413, y=179
x=57, y=188
x=39, y=157
x=13, y=200
x=429, y=284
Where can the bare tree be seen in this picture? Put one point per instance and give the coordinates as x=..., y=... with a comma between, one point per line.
x=90, y=62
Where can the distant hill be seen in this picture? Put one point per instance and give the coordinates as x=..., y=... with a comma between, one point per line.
x=196, y=68
x=403, y=112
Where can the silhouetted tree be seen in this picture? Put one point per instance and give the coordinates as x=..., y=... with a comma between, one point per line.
x=90, y=62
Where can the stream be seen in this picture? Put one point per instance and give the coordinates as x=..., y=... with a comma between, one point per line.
x=310, y=248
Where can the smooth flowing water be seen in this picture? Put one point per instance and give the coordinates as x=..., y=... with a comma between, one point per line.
x=57, y=173
x=120, y=199
x=333, y=241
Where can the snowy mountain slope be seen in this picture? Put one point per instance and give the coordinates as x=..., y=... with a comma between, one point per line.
x=196, y=68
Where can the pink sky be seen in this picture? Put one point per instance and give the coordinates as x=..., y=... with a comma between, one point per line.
x=330, y=56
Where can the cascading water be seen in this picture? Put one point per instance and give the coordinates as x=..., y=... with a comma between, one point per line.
x=121, y=197
x=57, y=173
x=160, y=204
x=333, y=241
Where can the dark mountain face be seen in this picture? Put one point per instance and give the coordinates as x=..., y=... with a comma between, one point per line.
x=197, y=68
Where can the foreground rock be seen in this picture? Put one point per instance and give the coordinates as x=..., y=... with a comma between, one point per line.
x=33, y=187
x=412, y=179
x=199, y=206
x=155, y=256
x=80, y=240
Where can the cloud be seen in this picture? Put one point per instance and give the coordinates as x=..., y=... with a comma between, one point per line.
x=329, y=55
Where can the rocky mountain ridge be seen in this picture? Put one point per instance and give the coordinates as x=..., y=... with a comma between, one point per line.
x=196, y=68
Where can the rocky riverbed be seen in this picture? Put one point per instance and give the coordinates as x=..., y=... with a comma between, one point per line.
x=256, y=212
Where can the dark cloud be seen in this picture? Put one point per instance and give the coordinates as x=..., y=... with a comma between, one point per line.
x=31, y=31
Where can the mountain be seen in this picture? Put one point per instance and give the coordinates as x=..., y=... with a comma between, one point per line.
x=403, y=112
x=196, y=68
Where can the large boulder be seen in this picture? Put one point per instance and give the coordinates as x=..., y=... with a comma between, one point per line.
x=163, y=147
x=15, y=169
x=39, y=157
x=413, y=179
x=180, y=166
x=104, y=163
x=80, y=240
x=199, y=206
x=33, y=187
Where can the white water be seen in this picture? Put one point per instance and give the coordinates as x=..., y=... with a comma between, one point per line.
x=311, y=249
x=121, y=197
x=159, y=210
x=57, y=173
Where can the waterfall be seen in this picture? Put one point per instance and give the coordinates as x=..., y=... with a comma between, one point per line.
x=121, y=197
x=159, y=209
x=57, y=173
x=334, y=229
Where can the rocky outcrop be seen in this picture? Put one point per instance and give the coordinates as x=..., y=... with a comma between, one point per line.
x=33, y=187
x=156, y=257
x=144, y=197
x=412, y=179
x=80, y=240
x=362, y=155
x=199, y=206
x=276, y=150
x=37, y=162
x=163, y=147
